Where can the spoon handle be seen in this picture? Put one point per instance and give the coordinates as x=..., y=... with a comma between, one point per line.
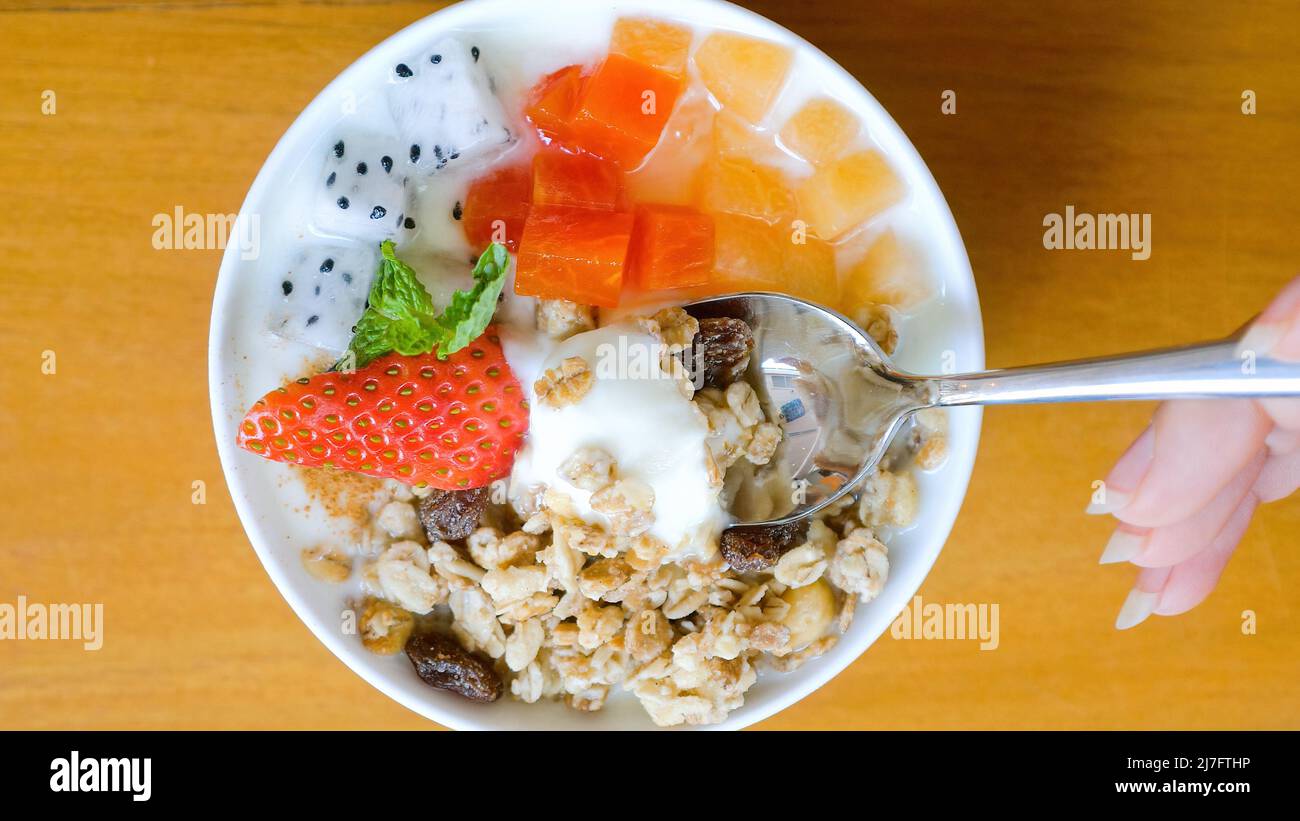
x=1212, y=369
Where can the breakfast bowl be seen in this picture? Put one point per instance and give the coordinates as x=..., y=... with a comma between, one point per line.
x=894, y=262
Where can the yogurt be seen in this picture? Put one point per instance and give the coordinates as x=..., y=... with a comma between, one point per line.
x=637, y=415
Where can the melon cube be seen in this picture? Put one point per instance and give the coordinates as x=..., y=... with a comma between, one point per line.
x=672, y=247
x=561, y=178
x=744, y=74
x=820, y=131
x=737, y=185
x=753, y=255
x=653, y=42
x=622, y=110
x=810, y=270
x=890, y=273
x=845, y=193
x=749, y=255
x=573, y=253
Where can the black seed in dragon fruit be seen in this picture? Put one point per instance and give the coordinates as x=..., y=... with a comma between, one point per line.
x=445, y=108
x=321, y=293
x=363, y=193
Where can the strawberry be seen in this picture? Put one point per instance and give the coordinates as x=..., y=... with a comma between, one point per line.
x=453, y=423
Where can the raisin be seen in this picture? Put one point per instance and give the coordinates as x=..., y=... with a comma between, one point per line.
x=442, y=663
x=724, y=344
x=448, y=515
x=757, y=547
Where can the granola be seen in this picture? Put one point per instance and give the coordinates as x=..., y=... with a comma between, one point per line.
x=566, y=384
x=565, y=592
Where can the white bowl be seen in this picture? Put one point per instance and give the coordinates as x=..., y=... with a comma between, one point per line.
x=244, y=362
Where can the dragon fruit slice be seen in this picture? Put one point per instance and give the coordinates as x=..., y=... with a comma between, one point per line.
x=323, y=294
x=363, y=194
x=444, y=107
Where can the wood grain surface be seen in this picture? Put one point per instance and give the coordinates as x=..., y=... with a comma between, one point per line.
x=1109, y=106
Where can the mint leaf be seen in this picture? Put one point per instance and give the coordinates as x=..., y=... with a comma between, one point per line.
x=400, y=316
x=397, y=292
x=471, y=311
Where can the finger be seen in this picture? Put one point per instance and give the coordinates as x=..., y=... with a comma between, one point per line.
x=1172, y=544
x=1200, y=445
x=1279, y=478
x=1143, y=598
x=1168, y=591
x=1190, y=582
x=1127, y=474
x=1277, y=330
x=1284, y=412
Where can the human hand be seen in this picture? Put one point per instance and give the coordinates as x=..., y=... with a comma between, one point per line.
x=1185, y=491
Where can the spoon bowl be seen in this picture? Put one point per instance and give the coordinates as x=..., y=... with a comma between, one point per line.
x=837, y=396
x=841, y=401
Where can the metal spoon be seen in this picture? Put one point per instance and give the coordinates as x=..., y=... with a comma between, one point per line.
x=841, y=401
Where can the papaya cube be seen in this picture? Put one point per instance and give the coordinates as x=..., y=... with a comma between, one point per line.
x=672, y=247
x=890, y=273
x=653, y=42
x=622, y=110
x=573, y=253
x=581, y=180
x=495, y=207
x=848, y=192
x=744, y=74
x=552, y=101
x=737, y=185
x=820, y=131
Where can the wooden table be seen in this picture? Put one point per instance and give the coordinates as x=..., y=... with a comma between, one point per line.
x=1111, y=107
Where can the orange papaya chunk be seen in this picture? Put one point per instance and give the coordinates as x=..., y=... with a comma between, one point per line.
x=581, y=180
x=552, y=101
x=496, y=206
x=672, y=247
x=622, y=110
x=571, y=253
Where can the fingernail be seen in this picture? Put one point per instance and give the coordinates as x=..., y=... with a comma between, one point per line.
x=1123, y=546
x=1114, y=500
x=1127, y=475
x=1261, y=338
x=1137, y=607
